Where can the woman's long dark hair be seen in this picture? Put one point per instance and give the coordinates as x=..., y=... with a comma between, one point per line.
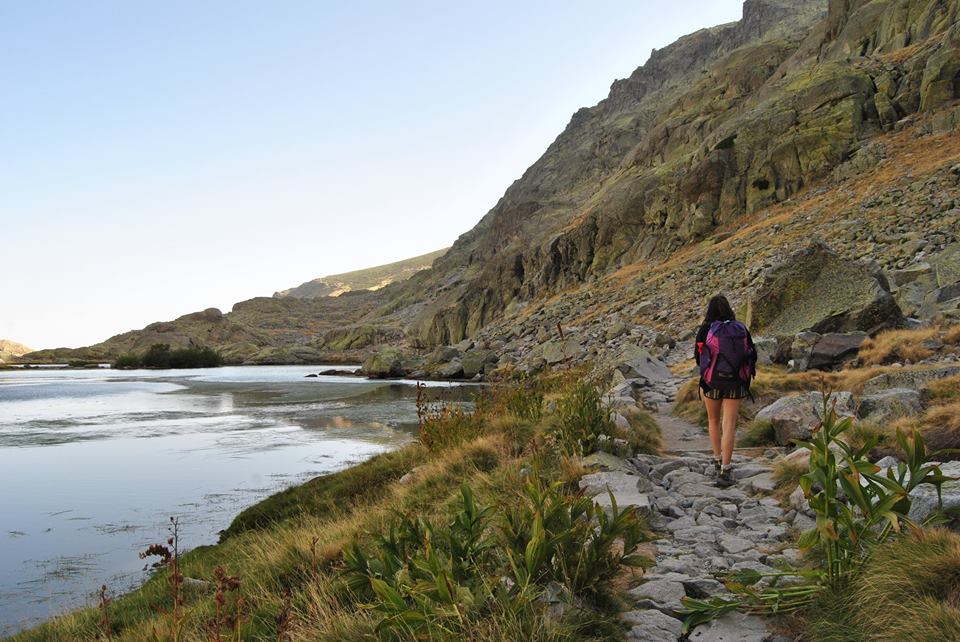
x=719, y=310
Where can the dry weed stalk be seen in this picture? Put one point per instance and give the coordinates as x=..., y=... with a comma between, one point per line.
x=285, y=618
x=225, y=619
x=106, y=630
x=170, y=556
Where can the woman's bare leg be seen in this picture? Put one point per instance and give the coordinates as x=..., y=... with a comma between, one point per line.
x=731, y=408
x=713, y=423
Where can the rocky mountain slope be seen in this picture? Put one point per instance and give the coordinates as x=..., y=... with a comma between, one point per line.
x=373, y=278
x=726, y=123
x=711, y=168
x=11, y=349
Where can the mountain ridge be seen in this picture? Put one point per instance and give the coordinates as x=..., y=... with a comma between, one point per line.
x=715, y=134
x=372, y=278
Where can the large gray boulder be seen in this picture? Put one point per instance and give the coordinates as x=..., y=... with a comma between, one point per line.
x=913, y=378
x=816, y=289
x=833, y=349
x=767, y=348
x=476, y=361
x=636, y=363
x=794, y=417
x=556, y=351
x=887, y=405
x=450, y=370
x=800, y=349
x=390, y=362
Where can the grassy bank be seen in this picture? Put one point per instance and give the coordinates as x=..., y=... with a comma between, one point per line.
x=493, y=535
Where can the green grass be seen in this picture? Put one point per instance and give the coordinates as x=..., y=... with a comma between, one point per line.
x=329, y=495
x=756, y=433
x=295, y=541
x=909, y=590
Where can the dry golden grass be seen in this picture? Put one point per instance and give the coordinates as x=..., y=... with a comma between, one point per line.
x=787, y=475
x=952, y=335
x=572, y=469
x=896, y=345
x=944, y=390
x=941, y=427
x=909, y=590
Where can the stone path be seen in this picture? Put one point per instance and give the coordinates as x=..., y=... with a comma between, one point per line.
x=705, y=532
x=679, y=435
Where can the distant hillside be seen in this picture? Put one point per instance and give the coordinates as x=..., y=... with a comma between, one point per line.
x=9, y=349
x=373, y=278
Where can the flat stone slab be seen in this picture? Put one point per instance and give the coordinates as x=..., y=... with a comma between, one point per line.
x=607, y=462
x=764, y=482
x=733, y=544
x=664, y=595
x=651, y=626
x=622, y=485
x=732, y=627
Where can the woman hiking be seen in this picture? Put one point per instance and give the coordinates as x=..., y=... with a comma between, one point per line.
x=727, y=359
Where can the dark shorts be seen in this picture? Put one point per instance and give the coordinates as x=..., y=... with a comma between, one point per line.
x=741, y=392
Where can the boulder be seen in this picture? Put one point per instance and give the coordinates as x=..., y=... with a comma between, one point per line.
x=835, y=348
x=887, y=405
x=636, y=363
x=801, y=348
x=947, y=266
x=794, y=417
x=442, y=354
x=388, y=362
x=815, y=289
x=767, y=348
x=450, y=370
x=914, y=378
x=607, y=462
x=555, y=351
x=476, y=361
x=911, y=274
x=924, y=496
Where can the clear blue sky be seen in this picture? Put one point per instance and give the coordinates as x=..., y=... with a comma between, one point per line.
x=163, y=157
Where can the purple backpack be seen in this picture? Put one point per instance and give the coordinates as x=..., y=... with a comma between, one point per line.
x=725, y=362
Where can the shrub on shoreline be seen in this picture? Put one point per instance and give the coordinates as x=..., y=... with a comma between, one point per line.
x=160, y=356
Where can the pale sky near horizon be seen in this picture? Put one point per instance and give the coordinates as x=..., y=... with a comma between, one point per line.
x=161, y=158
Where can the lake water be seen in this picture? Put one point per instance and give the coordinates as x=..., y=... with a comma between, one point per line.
x=94, y=462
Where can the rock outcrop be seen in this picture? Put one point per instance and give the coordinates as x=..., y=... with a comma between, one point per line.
x=815, y=289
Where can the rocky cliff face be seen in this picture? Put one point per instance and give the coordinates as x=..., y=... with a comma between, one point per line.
x=725, y=122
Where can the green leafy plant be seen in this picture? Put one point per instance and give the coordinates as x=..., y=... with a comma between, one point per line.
x=581, y=418
x=568, y=538
x=856, y=509
x=427, y=581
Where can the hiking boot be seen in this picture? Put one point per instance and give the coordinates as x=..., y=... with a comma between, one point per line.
x=716, y=468
x=724, y=479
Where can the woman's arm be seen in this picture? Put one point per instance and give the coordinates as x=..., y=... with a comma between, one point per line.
x=753, y=355
x=698, y=342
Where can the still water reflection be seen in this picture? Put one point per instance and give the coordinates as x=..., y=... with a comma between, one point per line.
x=93, y=463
